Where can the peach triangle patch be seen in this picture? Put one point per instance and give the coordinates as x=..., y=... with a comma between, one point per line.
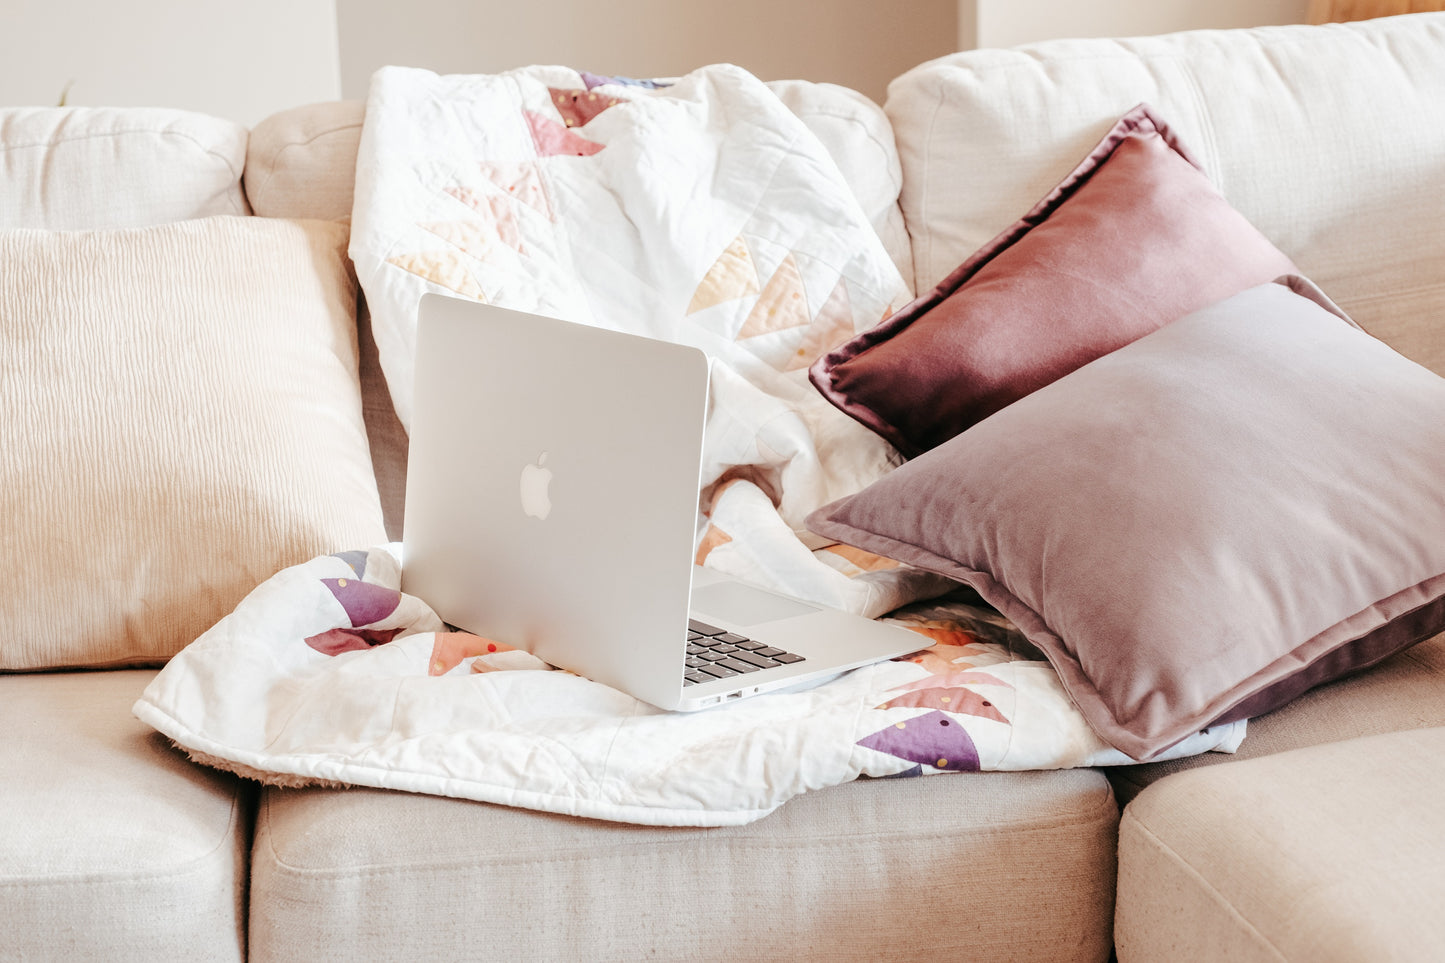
x=497, y=210
x=523, y=181
x=866, y=561
x=449, y=649
x=783, y=303
x=832, y=326
x=731, y=276
x=469, y=237
x=553, y=139
x=711, y=539
x=446, y=268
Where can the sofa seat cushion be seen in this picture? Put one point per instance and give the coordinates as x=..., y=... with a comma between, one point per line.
x=997, y=866
x=1402, y=692
x=114, y=846
x=1335, y=852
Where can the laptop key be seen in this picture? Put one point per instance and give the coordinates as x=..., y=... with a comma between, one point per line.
x=768, y=651
x=788, y=658
x=694, y=677
x=737, y=666
x=723, y=648
x=713, y=656
x=702, y=628
x=721, y=671
x=693, y=662
x=694, y=636
x=732, y=638
x=755, y=660
x=750, y=644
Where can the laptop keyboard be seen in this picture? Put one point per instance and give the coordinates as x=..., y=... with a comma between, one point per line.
x=714, y=653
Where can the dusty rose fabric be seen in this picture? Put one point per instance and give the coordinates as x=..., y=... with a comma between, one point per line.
x=1199, y=526
x=1135, y=237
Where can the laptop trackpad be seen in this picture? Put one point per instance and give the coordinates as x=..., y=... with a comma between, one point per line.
x=744, y=604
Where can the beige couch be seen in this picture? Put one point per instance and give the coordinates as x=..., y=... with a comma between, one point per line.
x=1320, y=839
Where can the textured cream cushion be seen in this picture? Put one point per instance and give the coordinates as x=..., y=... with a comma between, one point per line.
x=71, y=168
x=113, y=846
x=182, y=418
x=302, y=162
x=1330, y=140
x=1332, y=853
x=986, y=866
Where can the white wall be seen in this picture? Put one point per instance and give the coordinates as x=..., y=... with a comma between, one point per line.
x=1007, y=23
x=859, y=43
x=239, y=60
x=245, y=60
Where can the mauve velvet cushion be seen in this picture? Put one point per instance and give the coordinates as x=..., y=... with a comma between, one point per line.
x=1198, y=526
x=1134, y=238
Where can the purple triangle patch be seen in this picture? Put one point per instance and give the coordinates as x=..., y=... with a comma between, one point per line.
x=364, y=603
x=932, y=739
x=354, y=558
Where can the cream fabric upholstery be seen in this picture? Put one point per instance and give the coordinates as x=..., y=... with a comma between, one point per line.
x=987, y=866
x=1403, y=692
x=113, y=846
x=189, y=423
x=1331, y=140
x=1332, y=853
x=76, y=168
x=302, y=162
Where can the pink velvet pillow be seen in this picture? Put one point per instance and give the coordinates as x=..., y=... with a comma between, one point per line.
x=1199, y=526
x=1134, y=238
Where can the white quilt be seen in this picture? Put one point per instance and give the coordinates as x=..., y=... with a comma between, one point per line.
x=702, y=212
x=327, y=673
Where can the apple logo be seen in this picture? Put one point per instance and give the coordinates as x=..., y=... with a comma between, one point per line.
x=536, y=502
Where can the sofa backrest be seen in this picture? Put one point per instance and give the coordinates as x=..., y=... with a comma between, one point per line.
x=302, y=162
x=98, y=167
x=1331, y=140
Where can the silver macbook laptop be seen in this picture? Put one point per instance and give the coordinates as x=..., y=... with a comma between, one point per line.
x=551, y=504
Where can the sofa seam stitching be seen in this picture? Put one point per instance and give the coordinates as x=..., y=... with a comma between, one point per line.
x=1102, y=814
x=1178, y=859
x=112, y=878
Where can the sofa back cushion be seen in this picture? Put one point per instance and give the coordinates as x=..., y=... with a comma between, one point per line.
x=92, y=167
x=302, y=162
x=1330, y=140
x=181, y=419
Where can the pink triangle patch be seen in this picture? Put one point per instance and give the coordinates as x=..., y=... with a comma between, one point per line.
x=523, y=181
x=497, y=211
x=553, y=139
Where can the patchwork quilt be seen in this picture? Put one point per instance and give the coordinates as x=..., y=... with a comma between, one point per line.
x=328, y=674
x=703, y=212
